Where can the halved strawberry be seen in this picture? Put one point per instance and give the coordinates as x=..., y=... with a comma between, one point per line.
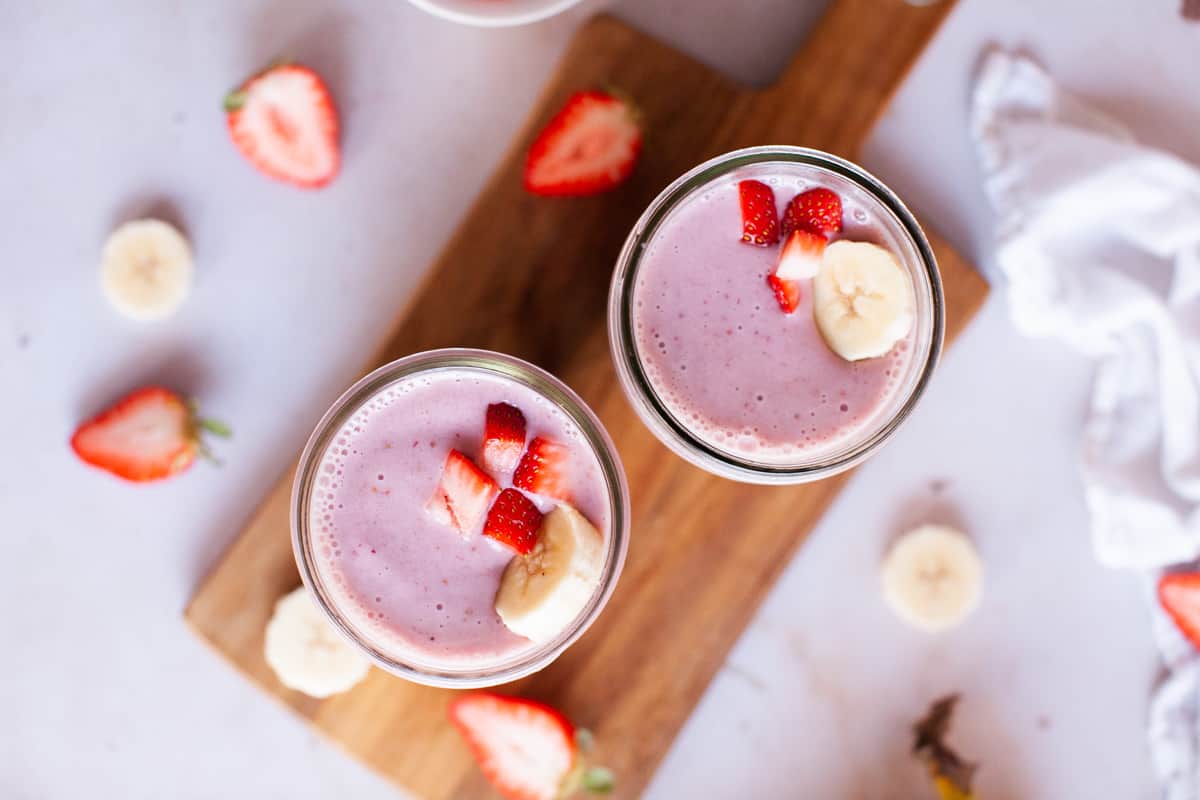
x=760, y=217
x=800, y=257
x=284, y=121
x=151, y=434
x=513, y=521
x=503, y=437
x=543, y=470
x=787, y=293
x=1179, y=595
x=525, y=748
x=818, y=210
x=465, y=491
x=590, y=146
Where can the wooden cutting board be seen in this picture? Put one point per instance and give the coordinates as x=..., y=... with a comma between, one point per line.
x=534, y=274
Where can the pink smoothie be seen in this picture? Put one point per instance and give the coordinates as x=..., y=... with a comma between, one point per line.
x=418, y=589
x=730, y=366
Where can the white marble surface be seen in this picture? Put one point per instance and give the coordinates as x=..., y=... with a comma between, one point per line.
x=111, y=110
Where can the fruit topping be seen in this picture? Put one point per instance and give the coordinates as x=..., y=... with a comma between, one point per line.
x=513, y=520
x=543, y=470
x=465, y=491
x=503, y=437
x=818, y=210
x=863, y=300
x=760, y=217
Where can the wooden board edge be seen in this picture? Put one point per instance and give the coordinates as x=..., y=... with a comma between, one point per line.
x=189, y=610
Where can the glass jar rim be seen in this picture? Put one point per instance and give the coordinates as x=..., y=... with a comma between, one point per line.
x=622, y=342
x=538, y=380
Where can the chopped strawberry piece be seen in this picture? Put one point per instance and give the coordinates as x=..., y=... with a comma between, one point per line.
x=466, y=492
x=149, y=435
x=503, y=437
x=513, y=521
x=284, y=122
x=438, y=509
x=818, y=210
x=760, y=217
x=799, y=260
x=787, y=293
x=526, y=749
x=590, y=146
x=800, y=257
x=543, y=470
x=1179, y=595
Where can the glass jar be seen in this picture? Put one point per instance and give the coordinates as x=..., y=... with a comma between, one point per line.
x=389, y=656
x=873, y=201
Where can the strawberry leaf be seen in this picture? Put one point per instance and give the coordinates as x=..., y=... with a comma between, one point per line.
x=234, y=101
x=584, y=739
x=208, y=455
x=216, y=427
x=599, y=780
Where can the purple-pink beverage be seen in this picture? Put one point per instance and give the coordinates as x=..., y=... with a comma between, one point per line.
x=423, y=592
x=728, y=364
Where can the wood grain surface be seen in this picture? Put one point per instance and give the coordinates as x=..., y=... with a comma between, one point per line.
x=534, y=272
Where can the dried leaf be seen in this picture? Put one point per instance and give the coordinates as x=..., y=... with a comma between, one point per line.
x=951, y=774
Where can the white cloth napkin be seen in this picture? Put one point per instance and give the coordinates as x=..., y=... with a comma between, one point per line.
x=1099, y=239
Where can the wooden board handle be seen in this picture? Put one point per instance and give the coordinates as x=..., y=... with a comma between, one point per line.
x=883, y=44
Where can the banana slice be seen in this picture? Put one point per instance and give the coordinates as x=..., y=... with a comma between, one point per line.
x=932, y=577
x=146, y=269
x=862, y=300
x=542, y=592
x=306, y=653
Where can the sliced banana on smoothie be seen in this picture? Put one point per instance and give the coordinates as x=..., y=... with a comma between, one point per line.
x=305, y=651
x=863, y=301
x=542, y=592
x=932, y=577
x=146, y=269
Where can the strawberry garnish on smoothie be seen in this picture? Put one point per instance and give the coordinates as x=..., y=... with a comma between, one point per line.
x=543, y=470
x=590, y=146
x=151, y=434
x=818, y=210
x=284, y=122
x=787, y=293
x=556, y=558
x=503, y=437
x=799, y=260
x=513, y=521
x=526, y=749
x=760, y=217
x=463, y=494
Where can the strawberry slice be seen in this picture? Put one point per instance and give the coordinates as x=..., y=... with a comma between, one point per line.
x=1179, y=595
x=787, y=293
x=513, y=521
x=465, y=491
x=543, y=470
x=526, y=749
x=151, y=434
x=590, y=146
x=760, y=217
x=439, y=510
x=800, y=257
x=818, y=210
x=503, y=437
x=284, y=122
